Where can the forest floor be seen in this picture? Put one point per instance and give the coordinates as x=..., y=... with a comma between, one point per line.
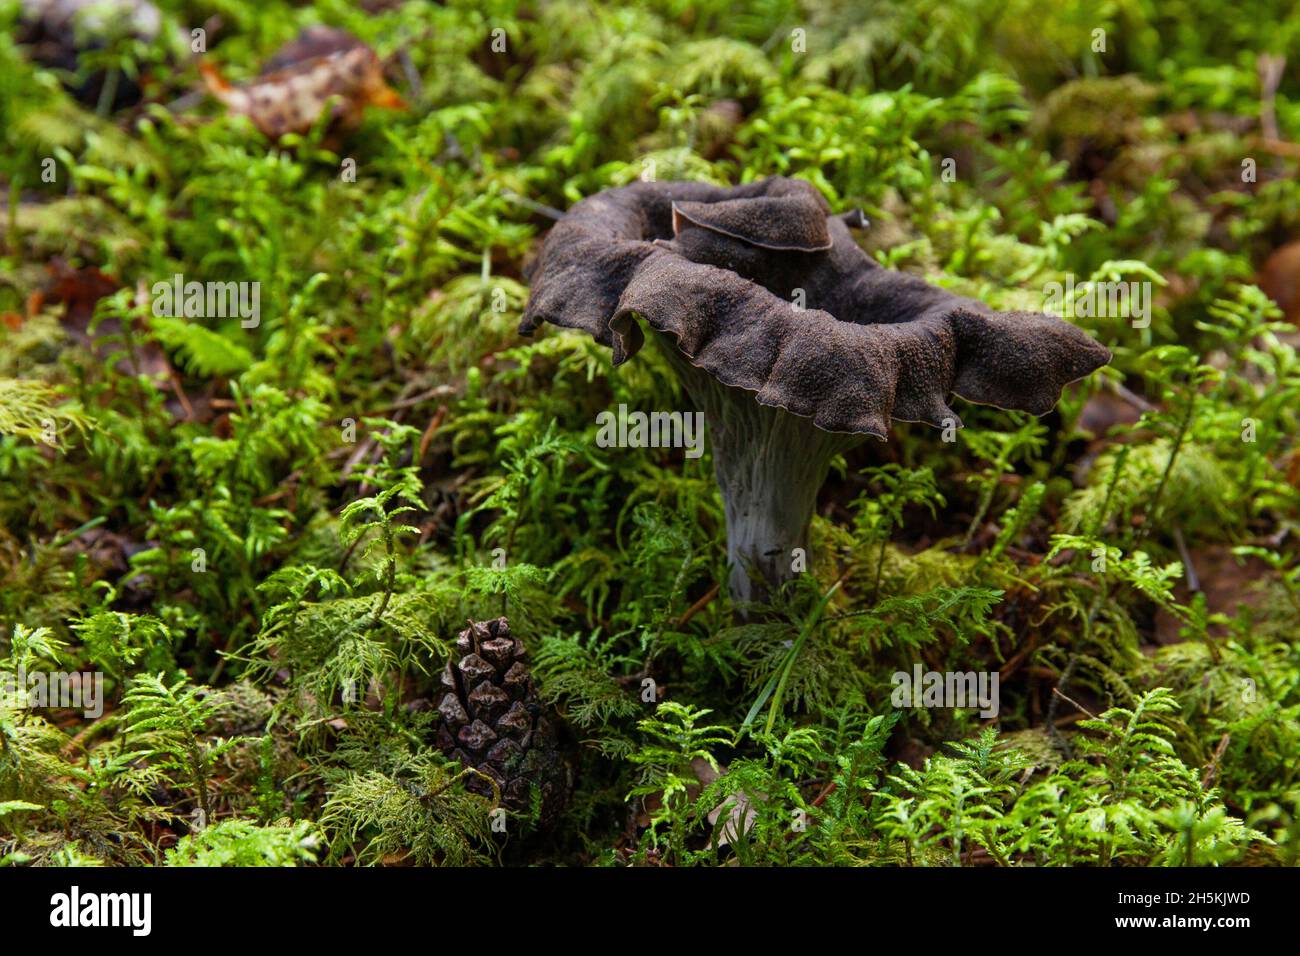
x=253, y=534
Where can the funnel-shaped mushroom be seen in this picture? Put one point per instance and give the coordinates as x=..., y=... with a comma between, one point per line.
x=789, y=338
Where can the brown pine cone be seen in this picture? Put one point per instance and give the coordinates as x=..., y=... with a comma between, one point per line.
x=494, y=721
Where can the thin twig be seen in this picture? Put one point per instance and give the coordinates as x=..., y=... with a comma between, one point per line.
x=1051, y=709
x=435, y=423
x=1277, y=147
x=1156, y=510
x=180, y=392
x=1193, y=581
x=440, y=391
x=411, y=73
x=1073, y=703
x=1270, y=69
x=698, y=606
x=549, y=211
x=1130, y=396
x=821, y=797
x=1212, y=768
x=91, y=730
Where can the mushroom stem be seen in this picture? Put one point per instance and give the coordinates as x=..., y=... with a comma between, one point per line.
x=769, y=465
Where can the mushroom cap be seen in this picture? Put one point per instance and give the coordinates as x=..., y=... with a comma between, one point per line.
x=721, y=270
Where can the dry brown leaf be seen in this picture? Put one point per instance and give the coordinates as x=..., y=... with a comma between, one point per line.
x=289, y=100
x=738, y=807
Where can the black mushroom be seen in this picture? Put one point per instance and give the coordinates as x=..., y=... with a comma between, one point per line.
x=789, y=338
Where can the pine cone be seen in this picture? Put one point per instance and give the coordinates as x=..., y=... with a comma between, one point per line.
x=494, y=721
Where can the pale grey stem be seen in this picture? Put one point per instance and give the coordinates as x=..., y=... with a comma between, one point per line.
x=769, y=465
